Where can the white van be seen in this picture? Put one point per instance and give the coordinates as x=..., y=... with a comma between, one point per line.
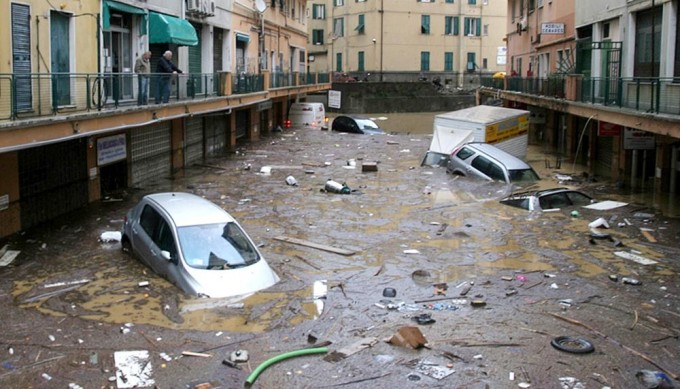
x=306, y=115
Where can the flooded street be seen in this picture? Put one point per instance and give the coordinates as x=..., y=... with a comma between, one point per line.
x=499, y=282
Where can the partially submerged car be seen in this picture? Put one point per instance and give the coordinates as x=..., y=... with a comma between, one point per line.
x=543, y=200
x=196, y=245
x=486, y=161
x=356, y=125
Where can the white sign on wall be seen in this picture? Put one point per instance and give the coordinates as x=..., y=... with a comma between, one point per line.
x=334, y=98
x=111, y=149
x=552, y=28
x=634, y=139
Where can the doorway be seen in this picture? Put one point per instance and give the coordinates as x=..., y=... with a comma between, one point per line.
x=61, y=58
x=118, y=54
x=113, y=178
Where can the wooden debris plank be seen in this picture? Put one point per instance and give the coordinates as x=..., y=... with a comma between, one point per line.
x=307, y=243
x=649, y=236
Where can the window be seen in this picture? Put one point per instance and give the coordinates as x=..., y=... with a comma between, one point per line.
x=449, y=1
x=532, y=5
x=338, y=62
x=648, y=42
x=317, y=37
x=451, y=25
x=485, y=63
x=425, y=24
x=472, y=2
x=448, y=61
x=424, y=61
x=465, y=153
x=486, y=30
x=318, y=11
x=338, y=3
x=605, y=31
x=360, y=1
x=360, y=66
x=473, y=26
x=338, y=28
x=471, y=62
x=360, y=25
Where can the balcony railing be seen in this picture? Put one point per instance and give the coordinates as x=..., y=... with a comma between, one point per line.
x=42, y=94
x=652, y=95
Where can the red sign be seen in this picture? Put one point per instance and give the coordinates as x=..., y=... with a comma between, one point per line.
x=608, y=129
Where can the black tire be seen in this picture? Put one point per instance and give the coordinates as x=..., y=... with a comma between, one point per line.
x=125, y=245
x=572, y=345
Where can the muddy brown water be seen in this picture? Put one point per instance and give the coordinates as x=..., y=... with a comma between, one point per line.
x=402, y=219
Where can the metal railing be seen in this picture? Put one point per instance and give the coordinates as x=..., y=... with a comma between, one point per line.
x=32, y=95
x=645, y=94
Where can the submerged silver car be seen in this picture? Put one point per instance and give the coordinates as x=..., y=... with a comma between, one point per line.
x=196, y=245
x=486, y=161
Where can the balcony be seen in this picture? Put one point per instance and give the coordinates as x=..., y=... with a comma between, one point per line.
x=648, y=95
x=30, y=96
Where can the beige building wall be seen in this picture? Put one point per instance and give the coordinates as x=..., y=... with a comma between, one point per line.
x=82, y=30
x=393, y=37
x=285, y=38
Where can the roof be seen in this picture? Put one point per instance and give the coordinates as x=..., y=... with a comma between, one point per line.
x=485, y=114
x=510, y=161
x=187, y=209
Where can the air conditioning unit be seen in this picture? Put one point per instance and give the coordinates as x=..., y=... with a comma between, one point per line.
x=194, y=6
x=536, y=38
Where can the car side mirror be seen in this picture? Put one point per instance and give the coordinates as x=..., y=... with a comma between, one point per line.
x=166, y=255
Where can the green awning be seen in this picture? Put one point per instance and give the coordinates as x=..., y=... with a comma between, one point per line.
x=114, y=5
x=245, y=38
x=169, y=29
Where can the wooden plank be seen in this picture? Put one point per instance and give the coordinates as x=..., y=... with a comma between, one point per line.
x=307, y=243
x=647, y=235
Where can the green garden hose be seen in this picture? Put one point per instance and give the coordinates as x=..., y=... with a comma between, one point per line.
x=306, y=351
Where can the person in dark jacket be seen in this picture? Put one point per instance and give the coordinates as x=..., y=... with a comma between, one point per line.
x=166, y=69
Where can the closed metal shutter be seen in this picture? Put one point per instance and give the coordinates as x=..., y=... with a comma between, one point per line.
x=53, y=180
x=215, y=135
x=217, y=49
x=195, y=67
x=21, y=54
x=193, y=141
x=150, y=152
x=604, y=156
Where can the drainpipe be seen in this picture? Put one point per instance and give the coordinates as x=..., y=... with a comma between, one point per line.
x=461, y=38
x=382, y=36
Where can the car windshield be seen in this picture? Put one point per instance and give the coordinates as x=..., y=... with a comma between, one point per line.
x=523, y=175
x=366, y=123
x=216, y=246
x=519, y=202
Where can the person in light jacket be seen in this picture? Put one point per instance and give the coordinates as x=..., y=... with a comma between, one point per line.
x=143, y=70
x=167, y=69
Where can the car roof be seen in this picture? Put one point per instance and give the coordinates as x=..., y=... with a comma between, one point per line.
x=187, y=209
x=539, y=193
x=510, y=161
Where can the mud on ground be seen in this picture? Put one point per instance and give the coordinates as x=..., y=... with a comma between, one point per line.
x=428, y=235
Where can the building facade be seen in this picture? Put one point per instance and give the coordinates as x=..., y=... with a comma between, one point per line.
x=73, y=128
x=614, y=107
x=422, y=37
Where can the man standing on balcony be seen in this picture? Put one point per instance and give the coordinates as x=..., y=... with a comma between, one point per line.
x=168, y=69
x=143, y=69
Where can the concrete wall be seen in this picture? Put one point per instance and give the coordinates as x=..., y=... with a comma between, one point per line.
x=397, y=97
